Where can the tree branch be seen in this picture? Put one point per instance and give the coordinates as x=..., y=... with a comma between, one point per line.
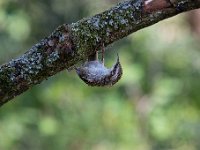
x=69, y=44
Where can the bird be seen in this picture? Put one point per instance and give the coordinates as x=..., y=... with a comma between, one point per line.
x=94, y=73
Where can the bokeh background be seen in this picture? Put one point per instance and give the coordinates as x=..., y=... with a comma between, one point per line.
x=155, y=106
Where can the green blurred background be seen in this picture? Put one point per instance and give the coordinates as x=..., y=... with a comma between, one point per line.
x=155, y=106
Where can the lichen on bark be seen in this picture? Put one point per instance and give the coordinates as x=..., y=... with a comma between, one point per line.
x=69, y=44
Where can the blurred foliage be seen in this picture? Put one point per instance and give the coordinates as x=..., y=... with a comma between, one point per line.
x=155, y=106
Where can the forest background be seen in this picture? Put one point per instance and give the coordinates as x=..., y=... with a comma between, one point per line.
x=155, y=106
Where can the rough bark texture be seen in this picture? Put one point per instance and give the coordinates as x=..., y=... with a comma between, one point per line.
x=69, y=44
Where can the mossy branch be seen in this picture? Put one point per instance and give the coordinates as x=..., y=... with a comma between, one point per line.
x=69, y=44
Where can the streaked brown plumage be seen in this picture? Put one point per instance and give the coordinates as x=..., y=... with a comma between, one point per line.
x=94, y=73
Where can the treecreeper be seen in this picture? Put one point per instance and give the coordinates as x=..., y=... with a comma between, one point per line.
x=94, y=73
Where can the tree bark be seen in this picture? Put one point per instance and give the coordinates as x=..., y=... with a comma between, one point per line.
x=71, y=43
